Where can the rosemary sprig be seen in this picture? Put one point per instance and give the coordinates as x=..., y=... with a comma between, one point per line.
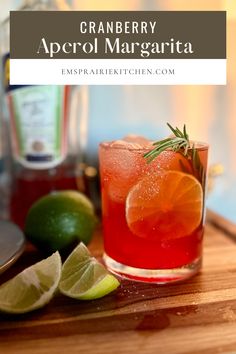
x=180, y=143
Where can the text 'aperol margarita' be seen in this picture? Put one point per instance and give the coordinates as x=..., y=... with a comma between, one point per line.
x=153, y=212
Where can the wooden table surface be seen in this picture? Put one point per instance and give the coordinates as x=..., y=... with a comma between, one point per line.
x=198, y=316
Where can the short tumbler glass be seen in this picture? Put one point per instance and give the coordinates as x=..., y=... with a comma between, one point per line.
x=153, y=213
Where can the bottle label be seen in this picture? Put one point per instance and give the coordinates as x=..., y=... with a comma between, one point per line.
x=39, y=125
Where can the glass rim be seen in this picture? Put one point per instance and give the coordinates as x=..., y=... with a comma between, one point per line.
x=199, y=146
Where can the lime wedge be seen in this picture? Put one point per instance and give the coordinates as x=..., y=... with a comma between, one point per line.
x=33, y=288
x=84, y=278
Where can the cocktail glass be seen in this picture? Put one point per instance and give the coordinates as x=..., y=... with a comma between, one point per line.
x=153, y=213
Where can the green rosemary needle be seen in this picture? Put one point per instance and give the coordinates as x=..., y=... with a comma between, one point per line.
x=180, y=143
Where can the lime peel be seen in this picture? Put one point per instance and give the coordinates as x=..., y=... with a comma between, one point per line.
x=105, y=286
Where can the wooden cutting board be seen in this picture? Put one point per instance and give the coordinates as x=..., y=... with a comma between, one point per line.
x=198, y=316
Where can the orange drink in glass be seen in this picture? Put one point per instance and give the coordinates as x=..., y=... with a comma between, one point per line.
x=153, y=213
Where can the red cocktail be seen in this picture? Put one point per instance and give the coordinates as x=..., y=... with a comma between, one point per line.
x=153, y=213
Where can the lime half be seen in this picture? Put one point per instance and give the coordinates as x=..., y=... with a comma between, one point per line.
x=33, y=288
x=84, y=278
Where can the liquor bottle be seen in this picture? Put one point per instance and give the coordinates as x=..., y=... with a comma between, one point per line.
x=44, y=135
x=1, y=149
x=2, y=194
x=4, y=171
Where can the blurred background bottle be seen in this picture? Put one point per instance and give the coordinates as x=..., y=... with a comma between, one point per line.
x=44, y=133
x=4, y=181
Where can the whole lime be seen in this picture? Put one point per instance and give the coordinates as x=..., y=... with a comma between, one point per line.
x=59, y=220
